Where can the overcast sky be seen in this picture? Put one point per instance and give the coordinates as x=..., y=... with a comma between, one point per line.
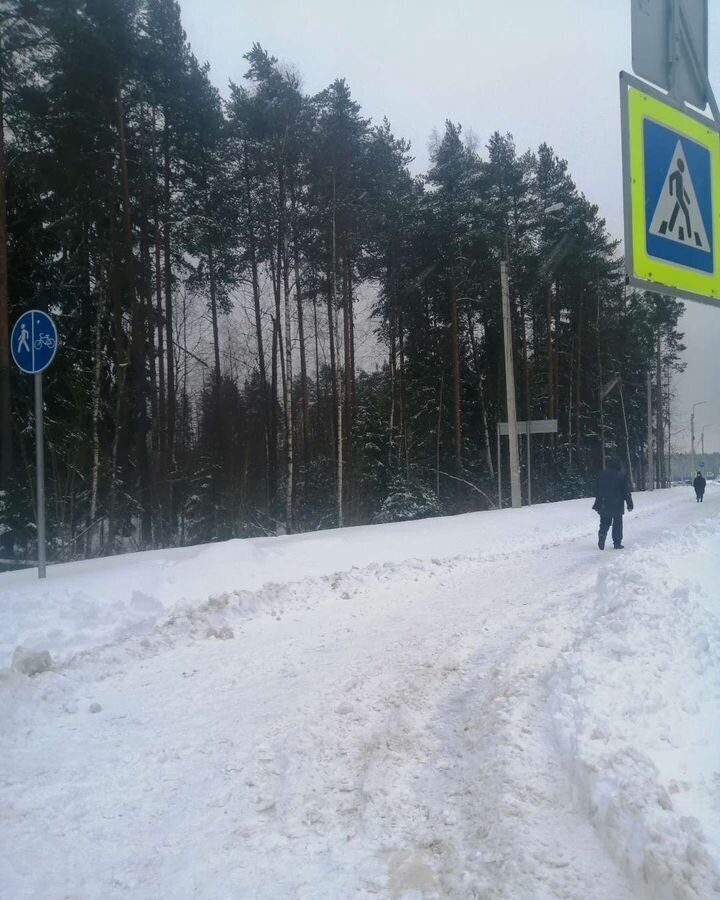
x=544, y=70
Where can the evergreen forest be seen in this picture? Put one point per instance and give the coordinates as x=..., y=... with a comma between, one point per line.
x=269, y=321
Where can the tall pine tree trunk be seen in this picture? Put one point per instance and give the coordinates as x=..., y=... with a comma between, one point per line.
x=289, y=442
x=318, y=397
x=333, y=374
x=169, y=337
x=214, y=316
x=137, y=342
x=97, y=385
x=526, y=363
x=162, y=467
x=337, y=399
x=550, y=389
x=283, y=259
x=119, y=444
x=347, y=405
x=273, y=408
x=305, y=402
x=158, y=322
x=270, y=478
x=481, y=395
x=392, y=366
x=556, y=358
x=402, y=394
x=659, y=417
x=578, y=375
x=6, y=447
x=455, y=351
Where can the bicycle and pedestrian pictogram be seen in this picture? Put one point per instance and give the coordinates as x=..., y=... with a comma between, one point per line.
x=33, y=342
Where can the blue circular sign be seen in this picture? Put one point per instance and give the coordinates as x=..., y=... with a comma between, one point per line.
x=33, y=341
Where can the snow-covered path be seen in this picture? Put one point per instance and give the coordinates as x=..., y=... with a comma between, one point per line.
x=383, y=732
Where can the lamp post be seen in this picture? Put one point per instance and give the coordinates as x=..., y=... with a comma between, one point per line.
x=692, y=434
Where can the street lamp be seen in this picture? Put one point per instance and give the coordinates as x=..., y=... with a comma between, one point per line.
x=692, y=434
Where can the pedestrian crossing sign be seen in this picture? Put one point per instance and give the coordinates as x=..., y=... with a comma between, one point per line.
x=671, y=176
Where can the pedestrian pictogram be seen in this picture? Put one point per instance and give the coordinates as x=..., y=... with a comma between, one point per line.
x=23, y=346
x=671, y=174
x=678, y=198
x=677, y=214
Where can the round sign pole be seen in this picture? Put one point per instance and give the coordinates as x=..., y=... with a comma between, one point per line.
x=33, y=345
x=40, y=473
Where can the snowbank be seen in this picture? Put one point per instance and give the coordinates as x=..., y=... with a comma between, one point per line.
x=91, y=603
x=636, y=704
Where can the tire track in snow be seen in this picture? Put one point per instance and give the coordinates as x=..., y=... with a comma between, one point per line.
x=323, y=752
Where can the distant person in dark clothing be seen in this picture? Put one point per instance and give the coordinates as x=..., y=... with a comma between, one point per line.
x=612, y=494
x=699, y=485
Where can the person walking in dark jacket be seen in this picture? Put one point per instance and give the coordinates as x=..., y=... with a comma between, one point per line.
x=699, y=485
x=612, y=494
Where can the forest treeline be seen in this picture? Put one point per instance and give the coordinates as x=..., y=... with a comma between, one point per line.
x=211, y=265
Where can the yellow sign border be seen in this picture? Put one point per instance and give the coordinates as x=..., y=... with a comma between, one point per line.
x=659, y=274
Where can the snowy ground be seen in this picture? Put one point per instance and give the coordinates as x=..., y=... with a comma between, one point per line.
x=477, y=707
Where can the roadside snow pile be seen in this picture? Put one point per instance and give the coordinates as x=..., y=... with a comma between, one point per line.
x=636, y=704
x=89, y=604
x=25, y=662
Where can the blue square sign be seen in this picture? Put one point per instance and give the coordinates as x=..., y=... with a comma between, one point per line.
x=678, y=199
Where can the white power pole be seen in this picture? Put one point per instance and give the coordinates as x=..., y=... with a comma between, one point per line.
x=692, y=435
x=516, y=497
x=692, y=442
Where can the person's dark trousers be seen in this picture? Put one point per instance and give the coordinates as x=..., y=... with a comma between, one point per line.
x=617, y=529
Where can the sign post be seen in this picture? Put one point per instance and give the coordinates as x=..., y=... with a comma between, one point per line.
x=33, y=345
x=670, y=47
x=671, y=154
x=534, y=426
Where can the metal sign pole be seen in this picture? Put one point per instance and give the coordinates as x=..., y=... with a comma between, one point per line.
x=673, y=61
x=33, y=344
x=40, y=474
x=699, y=71
x=499, y=468
x=527, y=449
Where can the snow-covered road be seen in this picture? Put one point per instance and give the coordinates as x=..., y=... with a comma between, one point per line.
x=407, y=728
